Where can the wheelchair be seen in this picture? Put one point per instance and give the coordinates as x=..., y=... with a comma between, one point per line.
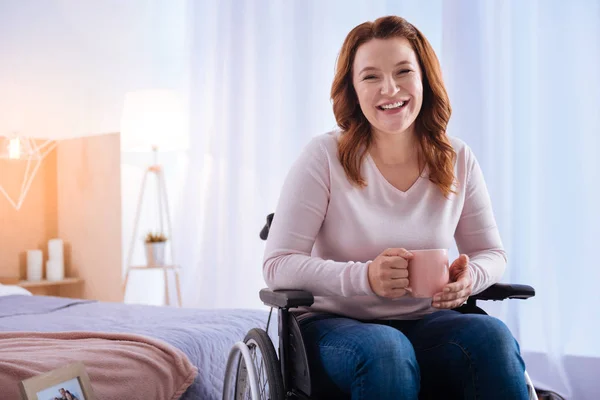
x=255, y=372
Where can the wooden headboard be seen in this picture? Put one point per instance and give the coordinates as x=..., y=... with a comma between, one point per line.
x=76, y=195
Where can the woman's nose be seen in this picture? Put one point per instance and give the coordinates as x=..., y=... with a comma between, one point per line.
x=389, y=87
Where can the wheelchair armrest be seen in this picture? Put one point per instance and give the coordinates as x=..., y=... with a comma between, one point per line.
x=502, y=291
x=286, y=298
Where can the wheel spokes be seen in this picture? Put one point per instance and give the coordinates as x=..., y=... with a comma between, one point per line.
x=260, y=367
x=257, y=362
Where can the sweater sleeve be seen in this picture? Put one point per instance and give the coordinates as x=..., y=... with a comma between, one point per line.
x=300, y=212
x=477, y=234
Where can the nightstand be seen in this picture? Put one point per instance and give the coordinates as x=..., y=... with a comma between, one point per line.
x=165, y=269
x=48, y=288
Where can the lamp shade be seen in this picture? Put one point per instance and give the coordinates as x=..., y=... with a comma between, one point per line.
x=154, y=118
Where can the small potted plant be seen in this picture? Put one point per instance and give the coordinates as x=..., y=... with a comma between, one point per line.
x=155, y=248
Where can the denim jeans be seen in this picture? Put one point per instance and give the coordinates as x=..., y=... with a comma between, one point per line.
x=445, y=355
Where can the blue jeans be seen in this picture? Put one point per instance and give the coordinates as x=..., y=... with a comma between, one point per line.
x=445, y=355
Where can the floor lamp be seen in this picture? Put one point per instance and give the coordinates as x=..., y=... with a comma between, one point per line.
x=154, y=120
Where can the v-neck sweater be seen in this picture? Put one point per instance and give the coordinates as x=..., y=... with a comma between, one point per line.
x=326, y=230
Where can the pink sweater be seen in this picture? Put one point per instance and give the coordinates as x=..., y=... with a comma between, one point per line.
x=326, y=231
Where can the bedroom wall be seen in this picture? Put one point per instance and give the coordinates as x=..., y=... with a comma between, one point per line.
x=34, y=223
x=68, y=64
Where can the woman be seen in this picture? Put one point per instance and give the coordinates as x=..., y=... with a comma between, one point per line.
x=353, y=206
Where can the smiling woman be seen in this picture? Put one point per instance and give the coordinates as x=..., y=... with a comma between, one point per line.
x=356, y=208
x=390, y=69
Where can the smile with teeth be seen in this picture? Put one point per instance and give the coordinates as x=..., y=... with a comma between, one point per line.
x=392, y=106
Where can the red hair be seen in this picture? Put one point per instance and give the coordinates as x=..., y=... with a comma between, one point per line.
x=433, y=117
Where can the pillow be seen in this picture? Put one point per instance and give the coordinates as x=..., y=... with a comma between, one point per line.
x=6, y=290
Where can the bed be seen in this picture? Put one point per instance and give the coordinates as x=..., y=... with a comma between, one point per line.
x=205, y=336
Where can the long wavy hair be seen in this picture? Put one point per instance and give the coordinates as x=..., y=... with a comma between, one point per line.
x=431, y=123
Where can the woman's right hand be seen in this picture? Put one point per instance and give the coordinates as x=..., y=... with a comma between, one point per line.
x=388, y=273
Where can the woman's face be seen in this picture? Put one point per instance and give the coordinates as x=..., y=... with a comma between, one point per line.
x=388, y=84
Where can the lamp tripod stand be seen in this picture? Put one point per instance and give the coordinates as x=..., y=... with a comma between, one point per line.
x=163, y=203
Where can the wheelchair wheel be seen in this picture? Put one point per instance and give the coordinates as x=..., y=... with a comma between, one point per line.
x=258, y=369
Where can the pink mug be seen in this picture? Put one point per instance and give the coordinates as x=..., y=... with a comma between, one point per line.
x=427, y=272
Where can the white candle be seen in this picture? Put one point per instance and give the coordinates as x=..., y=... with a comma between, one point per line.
x=34, y=265
x=55, y=250
x=55, y=270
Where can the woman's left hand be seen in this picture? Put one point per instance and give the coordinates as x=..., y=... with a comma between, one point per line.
x=458, y=290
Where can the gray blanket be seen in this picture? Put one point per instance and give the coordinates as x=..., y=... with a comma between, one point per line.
x=205, y=336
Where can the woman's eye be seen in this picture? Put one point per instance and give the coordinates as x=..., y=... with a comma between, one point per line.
x=403, y=71
x=369, y=77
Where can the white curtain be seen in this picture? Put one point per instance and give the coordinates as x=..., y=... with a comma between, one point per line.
x=524, y=84
x=523, y=79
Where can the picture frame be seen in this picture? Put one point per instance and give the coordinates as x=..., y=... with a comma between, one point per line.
x=72, y=379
